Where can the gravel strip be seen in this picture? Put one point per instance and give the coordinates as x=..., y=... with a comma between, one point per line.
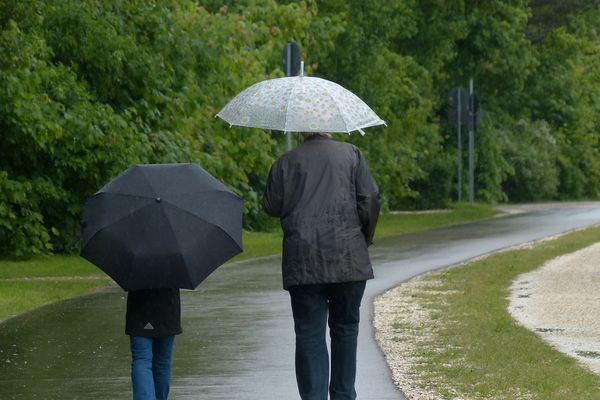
x=564, y=288
x=400, y=347
x=561, y=302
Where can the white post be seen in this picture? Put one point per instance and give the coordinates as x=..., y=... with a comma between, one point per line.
x=459, y=143
x=471, y=144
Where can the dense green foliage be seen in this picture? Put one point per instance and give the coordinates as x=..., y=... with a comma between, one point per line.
x=88, y=88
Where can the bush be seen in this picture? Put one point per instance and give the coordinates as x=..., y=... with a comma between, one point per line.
x=22, y=230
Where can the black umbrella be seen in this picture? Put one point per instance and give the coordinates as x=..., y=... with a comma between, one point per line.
x=162, y=226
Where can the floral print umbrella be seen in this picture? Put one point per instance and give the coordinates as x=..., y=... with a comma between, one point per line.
x=300, y=104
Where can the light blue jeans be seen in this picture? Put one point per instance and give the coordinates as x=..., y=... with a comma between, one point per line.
x=151, y=367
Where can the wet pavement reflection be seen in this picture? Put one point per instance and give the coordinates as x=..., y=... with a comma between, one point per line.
x=238, y=335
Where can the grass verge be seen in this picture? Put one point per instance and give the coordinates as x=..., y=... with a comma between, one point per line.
x=459, y=213
x=465, y=344
x=258, y=244
x=28, y=284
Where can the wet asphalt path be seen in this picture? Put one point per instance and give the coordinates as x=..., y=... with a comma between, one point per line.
x=238, y=336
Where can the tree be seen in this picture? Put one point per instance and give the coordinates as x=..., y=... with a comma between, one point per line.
x=57, y=144
x=565, y=94
x=549, y=14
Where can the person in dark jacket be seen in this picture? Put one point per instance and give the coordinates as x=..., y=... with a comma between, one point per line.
x=153, y=319
x=328, y=204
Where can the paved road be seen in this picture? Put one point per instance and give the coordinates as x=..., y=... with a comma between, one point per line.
x=238, y=335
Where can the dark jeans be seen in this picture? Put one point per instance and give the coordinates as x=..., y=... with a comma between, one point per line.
x=311, y=305
x=151, y=367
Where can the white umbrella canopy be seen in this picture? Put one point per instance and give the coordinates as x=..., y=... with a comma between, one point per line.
x=300, y=104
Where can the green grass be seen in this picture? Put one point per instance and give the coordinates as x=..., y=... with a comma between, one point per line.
x=258, y=244
x=18, y=293
x=459, y=213
x=28, y=284
x=23, y=295
x=475, y=347
x=47, y=266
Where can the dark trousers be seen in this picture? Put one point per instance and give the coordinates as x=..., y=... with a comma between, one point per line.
x=311, y=306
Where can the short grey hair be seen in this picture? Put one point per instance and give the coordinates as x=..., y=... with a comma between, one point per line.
x=306, y=135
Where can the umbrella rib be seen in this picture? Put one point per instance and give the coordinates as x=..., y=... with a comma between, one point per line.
x=212, y=191
x=154, y=196
x=120, y=218
x=116, y=221
x=235, y=196
x=371, y=123
x=166, y=201
x=177, y=239
x=337, y=105
x=204, y=220
x=356, y=127
x=287, y=111
x=137, y=196
x=144, y=173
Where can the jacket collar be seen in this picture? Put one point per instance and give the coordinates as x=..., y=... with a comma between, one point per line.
x=316, y=137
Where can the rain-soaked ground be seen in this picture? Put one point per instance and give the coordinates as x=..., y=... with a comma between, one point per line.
x=238, y=335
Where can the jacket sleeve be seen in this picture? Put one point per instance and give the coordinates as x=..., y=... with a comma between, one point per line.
x=368, y=201
x=273, y=196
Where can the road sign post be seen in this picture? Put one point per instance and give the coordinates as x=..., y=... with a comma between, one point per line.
x=458, y=113
x=471, y=142
x=475, y=115
x=291, y=67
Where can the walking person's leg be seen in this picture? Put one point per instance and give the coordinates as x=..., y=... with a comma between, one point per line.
x=141, y=368
x=309, y=308
x=161, y=366
x=344, y=317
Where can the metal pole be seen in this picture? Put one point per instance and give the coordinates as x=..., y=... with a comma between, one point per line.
x=459, y=145
x=471, y=143
x=288, y=64
x=288, y=72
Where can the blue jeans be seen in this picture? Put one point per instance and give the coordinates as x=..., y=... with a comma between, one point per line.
x=313, y=306
x=151, y=367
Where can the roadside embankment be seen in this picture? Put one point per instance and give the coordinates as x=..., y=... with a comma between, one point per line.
x=561, y=303
x=449, y=334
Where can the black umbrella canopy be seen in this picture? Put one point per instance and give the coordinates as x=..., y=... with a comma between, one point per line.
x=162, y=226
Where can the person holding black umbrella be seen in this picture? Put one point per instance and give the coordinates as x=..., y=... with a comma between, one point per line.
x=328, y=204
x=153, y=319
x=154, y=229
